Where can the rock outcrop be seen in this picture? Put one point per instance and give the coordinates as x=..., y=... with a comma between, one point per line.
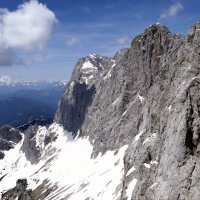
x=9, y=136
x=18, y=192
x=80, y=92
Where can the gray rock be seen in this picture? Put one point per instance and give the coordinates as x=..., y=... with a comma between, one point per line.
x=73, y=107
x=18, y=192
x=80, y=92
x=34, y=149
x=5, y=145
x=29, y=148
x=151, y=89
x=9, y=136
x=2, y=155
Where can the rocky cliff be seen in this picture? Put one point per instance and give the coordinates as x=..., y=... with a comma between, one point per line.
x=9, y=137
x=149, y=91
x=140, y=111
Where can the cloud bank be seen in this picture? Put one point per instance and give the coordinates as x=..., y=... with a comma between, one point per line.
x=27, y=28
x=172, y=10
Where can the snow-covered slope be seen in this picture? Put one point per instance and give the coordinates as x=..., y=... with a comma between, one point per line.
x=65, y=168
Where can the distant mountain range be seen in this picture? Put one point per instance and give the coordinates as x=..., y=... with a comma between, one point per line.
x=7, y=85
x=22, y=102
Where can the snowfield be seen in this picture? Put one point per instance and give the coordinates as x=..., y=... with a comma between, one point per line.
x=66, y=168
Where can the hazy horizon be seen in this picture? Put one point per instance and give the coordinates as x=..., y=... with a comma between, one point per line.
x=47, y=38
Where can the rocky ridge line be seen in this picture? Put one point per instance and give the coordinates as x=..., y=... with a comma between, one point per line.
x=149, y=92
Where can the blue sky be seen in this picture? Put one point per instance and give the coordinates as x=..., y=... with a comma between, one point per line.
x=81, y=27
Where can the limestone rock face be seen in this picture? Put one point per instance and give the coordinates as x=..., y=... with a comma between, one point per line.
x=35, y=140
x=29, y=146
x=80, y=92
x=146, y=96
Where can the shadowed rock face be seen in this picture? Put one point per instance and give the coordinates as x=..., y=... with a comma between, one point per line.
x=29, y=146
x=9, y=136
x=150, y=90
x=74, y=108
x=80, y=92
x=18, y=192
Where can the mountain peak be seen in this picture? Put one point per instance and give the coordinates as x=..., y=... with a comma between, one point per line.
x=88, y=68
x=157, y=27
x=194, y=33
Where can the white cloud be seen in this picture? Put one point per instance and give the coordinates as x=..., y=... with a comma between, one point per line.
x=28, y=28
x=172, y=10
x=124, y=40
x=71, y=40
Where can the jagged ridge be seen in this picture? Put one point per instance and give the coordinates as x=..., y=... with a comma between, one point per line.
x=151, y=89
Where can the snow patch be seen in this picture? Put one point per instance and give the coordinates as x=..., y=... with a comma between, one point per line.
x=154, y=162
x=147, y=165
x=193, y=78
x=116, y=100
x=108, y=75
x=77, y=135
x=39, y=138
x=87, y=79
x=93, y=55
x=130, y=188
x=170, y=108
x=137, y=137
x=149, y=139
x=132, y=169
x=72, y=84
x=114, y=64
x=153, y=185
x=141, y=98
x=124, y=113
x=88, y=65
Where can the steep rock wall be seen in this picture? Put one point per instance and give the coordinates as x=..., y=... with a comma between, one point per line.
x=147, y=96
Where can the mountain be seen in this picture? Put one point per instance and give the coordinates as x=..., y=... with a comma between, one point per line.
x=9, y=136
x=22, y=102
x=127, y=127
